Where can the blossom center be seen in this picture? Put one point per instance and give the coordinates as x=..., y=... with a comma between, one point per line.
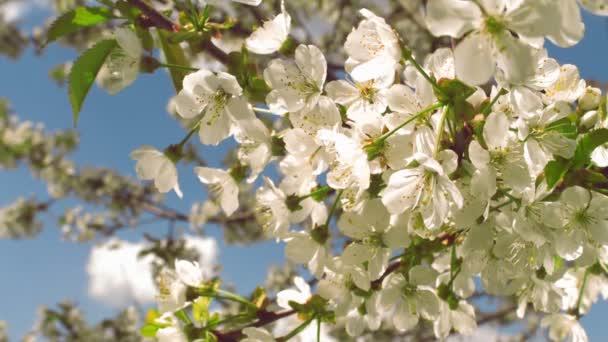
x=494, y=26
x=367, y=91
x=582, y=218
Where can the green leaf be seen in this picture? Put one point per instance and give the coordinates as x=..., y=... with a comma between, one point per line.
x=565, y=127
x=76, y=19
x=453, y=89
x=149, y=330
x=587, y=144
x=174, y=55
x=254, y=86
x=200, y=309
x=555, y=171
x=85, y=70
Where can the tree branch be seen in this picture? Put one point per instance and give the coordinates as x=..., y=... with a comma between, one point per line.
x=152, y=16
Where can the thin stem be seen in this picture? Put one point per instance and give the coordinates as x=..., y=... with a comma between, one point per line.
x=189, y=135
x=222, y=294
x=296, y=331
x=230, y=319
x=333, y=207
x=318, y=330
x=176, y=66
x=234, y=297
x=440, y=131
x=183, y=316
x=453, y=263
x=154, y=16
x=580, y=293
x=420, y=114
x=424, y=74
x=319, y=191
x=488, y=107
x=510, y=196
x=509, y=201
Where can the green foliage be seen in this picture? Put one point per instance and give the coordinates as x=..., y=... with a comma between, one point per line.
x=200, y=309
x=254, y=86
x=149, y=330
x=587, y=144
x=174, y=54
x=315, y=307
x=453, y=91
x=555, y=171
x=85, y=70
x=77, y=19
x=565, y=127
x=571, y=170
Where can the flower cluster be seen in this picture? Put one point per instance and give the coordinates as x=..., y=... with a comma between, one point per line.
x=483, y=164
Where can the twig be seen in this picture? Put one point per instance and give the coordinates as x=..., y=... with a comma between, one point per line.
x=157, y=19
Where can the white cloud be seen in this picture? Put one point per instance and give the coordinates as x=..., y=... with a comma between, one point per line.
x=117, y=276
x=17, y=9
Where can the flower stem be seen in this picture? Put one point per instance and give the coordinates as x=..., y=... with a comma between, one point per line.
x=189, y=135
x=488, y=107
x=441, y=128
x=318, y=330
x=320, y=191
x=176, y=66
x=231, y=319
x=424, y=74
x=406, y=122
x=234, y=297
x=183, y=316
x=580, y=294
x=333, y=207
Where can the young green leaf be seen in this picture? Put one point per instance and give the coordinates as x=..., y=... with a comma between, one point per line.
x=149, y=330
x=555, y=171
x=85, y=70
x=587, y=144
x=174, y=54
x=77, y=19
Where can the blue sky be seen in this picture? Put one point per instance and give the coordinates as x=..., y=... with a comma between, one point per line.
x=46, y=269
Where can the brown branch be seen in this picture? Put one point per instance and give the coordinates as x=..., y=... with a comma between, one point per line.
x=390, y=269
x=216, y=52
x=151, y=17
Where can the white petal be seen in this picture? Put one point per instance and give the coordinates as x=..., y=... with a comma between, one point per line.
x=403, y=319
x=496, y=131
x=474, y=60
x=376, y=67
x=166, y=178
x=452, y=17
x=215, y=126
x=342, y=92
x=270, y=37
x=478, y=155
x=189, y=272
x=312, y=63
x=402, y=99
x=514, y=58
x=128, y=41
x=570, y=245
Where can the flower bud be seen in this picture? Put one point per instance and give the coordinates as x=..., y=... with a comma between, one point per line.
x=589, y=119
x=590, y=99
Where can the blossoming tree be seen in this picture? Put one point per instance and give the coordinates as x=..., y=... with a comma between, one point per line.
x=430, y=154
